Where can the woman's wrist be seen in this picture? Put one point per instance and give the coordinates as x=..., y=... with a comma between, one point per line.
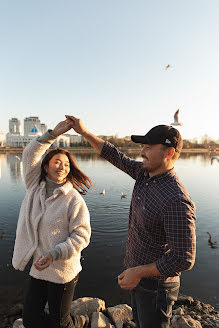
x=53, y=133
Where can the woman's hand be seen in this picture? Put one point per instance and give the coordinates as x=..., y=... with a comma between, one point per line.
x=77, y=124
x=43, y=262
x=62, y=127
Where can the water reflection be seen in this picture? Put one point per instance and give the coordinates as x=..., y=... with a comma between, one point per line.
x=109, y=219
x=15, y=164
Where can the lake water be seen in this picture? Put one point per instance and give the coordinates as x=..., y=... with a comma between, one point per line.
x=102, y=260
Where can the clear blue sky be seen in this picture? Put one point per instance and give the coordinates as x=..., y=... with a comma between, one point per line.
x=104, y=61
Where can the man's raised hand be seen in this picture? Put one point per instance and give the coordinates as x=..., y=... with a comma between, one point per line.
x=77, y=124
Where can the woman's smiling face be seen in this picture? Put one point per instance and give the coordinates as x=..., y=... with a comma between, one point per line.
x=58, y=168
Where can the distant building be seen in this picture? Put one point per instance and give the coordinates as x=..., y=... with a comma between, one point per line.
x=32, y=128
x=33, y=123
x=43, y=127
x=62, y=141
x=75, y=139
x=14, y=126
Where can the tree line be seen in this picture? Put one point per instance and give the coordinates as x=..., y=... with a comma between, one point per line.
x=205, y=142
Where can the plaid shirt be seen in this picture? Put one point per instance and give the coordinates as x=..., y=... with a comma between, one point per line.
x=161, y=219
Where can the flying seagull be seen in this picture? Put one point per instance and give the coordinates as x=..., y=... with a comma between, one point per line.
x=103, y=192
x=123, y=195
x=176, y=118
x=214, y=158
x=211, y=243
x=168, y=66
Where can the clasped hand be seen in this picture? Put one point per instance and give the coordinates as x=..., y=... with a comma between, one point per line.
x=129, y=278
x=43, y=262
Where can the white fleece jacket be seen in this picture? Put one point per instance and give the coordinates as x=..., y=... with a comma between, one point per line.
x=61, y=220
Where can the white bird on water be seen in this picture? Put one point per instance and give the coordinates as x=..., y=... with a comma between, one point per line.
x=176, y=118
x=123, y=195
x=103, y=192
x=214, y=158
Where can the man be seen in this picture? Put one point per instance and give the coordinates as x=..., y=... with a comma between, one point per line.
x=161, y=236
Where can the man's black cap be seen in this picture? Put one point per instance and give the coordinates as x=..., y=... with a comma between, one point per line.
x=161, y=134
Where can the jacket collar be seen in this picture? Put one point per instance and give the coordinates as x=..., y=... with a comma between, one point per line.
x=63, y=189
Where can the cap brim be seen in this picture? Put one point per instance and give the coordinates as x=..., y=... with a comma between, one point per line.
x=138, y=139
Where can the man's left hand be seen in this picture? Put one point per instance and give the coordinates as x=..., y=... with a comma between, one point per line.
x=129, y=278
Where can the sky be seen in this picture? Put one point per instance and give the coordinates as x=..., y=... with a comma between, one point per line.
x=104, y=62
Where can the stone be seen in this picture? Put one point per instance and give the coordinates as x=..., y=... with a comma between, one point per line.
x=109, y=326
x=130, y=324
x=99, y=320
x=184, y=322
x=183, y=299
x=18, y=323
x=16, y=310
x=121, y=312
x=178, y=311
x=86, y=306
x=119, y=324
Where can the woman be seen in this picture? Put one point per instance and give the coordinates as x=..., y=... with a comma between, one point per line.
x=53, y=228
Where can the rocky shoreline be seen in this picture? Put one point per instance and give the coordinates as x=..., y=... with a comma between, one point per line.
x=187, y=312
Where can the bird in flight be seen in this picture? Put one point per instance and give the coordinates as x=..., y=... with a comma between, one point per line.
x=176, y=118
x=103, y=192
x=123, y=195
x=211, y=243
x=213, y=158
x=168, y=66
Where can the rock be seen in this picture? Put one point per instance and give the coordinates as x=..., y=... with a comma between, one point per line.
x=184, y=300
x=178, y=311
x=121, y=312
x=109, y=326
x=99, y=320
x=16, y=310
x=86, y=306
x=18, y=323
x=184, y=322
x=119, y=324
x=130, y=324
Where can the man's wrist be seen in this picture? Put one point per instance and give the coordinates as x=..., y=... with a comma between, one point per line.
x=147, y=270
x=85, y=134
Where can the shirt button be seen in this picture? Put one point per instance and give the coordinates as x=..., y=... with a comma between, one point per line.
x=154, y=181
x=138, y=197
x=146, y=184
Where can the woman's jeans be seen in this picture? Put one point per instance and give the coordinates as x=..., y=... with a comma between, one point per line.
x=152, y=303
x=59, y=297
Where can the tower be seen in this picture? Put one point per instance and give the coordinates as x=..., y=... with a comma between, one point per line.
x=14, y=126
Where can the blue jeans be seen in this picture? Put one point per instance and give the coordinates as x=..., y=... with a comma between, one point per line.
x=59, y=297
x=152, y=303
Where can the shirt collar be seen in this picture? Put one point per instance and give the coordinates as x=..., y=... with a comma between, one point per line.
x=169, y=173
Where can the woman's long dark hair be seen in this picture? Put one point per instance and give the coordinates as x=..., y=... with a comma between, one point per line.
x=77, y=178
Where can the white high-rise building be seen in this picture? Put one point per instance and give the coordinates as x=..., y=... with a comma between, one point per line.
x=32, y=129
x=14, y=126
x=31, y=124
x=43, y=127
